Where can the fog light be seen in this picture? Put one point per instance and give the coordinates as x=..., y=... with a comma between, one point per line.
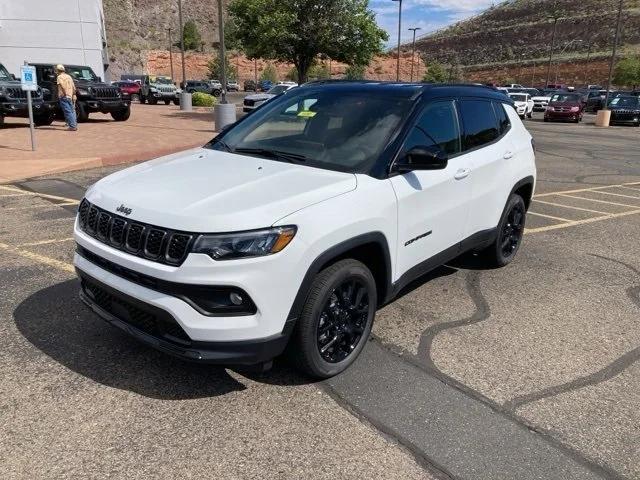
x=236, y=298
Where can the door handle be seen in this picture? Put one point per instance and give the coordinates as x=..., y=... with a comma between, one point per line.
x=507, y=155
x=462, y=173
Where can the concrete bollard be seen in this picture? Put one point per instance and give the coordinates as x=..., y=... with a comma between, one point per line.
x=603, y=117
x=225, y=114
x=185, y=102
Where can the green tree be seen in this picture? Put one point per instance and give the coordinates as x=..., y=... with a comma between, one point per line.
x=355, y=72
x=318, y=72
x=292, y=75
x=627, y=72
x=436, y=73
x=269, y=73
x=215, y=70
x=191, y=36
x=297, y=31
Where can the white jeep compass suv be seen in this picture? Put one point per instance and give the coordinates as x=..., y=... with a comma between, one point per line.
x=291, y=227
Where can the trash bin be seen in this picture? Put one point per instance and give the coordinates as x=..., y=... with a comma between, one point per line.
x=602, y=118
x=225, y=114
x=185, y=102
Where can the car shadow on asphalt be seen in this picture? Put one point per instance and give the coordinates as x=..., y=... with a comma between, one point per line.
x=56, y=322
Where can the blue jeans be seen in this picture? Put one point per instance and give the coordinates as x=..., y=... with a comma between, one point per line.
x=69, y=110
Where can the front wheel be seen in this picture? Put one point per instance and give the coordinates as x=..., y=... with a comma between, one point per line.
x=336, y=319
x=82, y=115
x=153, y=101
x=509, y=236
x=176, y=102
x=141, y=98
x=43, y=120
x=167, y=102
x=121, y=115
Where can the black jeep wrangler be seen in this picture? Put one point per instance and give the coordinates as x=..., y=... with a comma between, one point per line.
x=13, y=101
x=93, y=94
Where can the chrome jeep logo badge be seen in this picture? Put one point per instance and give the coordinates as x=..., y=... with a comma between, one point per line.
x=123, y=209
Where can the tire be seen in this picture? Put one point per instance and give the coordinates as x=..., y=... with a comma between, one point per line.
x=153, y=101
x=637, y=124
x=121, y=115
x=546, y=119
x=167, y=102
x=217, y=93
x=335, y=289
x=142, y=98
x=530, y=114
x=43, y=120
x=176, y=102
x=81, y=112
x=508, y=239
x=1, y=120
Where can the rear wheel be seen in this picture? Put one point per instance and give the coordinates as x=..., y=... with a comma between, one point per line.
x=176, y=102
x=167, y=102
x=142, y=98
x=509, y=236
x=153, y=101
x=336, y=319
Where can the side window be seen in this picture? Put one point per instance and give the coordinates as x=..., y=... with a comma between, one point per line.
x=480, y=125
x=503, y=119
x=439, y=122
x=416, y=138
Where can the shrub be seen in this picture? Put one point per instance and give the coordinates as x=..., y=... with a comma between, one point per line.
x=355, y=72
x=269, y=73
x=200, y=99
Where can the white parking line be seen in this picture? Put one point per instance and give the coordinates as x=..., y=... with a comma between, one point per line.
x=36, y=194
x=51, y=262
x=622, y=185
x=45, y=242
x=580, y=222
x=602, y=192
x=31, y=207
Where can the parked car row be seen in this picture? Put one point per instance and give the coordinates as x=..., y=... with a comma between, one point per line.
x=93, y=95
x=251, y=102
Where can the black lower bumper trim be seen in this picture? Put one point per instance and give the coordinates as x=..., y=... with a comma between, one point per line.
x=248, y=352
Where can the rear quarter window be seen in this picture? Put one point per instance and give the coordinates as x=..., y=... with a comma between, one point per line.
x=504, y=124
x=480, y=123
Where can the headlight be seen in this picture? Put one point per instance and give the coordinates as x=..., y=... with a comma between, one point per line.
x=153, y=89
x=549, y=109
x=83, y=91
x=256, y=243
x=575, y=109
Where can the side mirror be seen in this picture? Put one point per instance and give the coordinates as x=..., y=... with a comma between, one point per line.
x=422, y=158
x=100, y=79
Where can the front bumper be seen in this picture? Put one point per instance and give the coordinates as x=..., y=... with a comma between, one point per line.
x=567, y=116
x=135, y=318
x=540, y=107
x=21, y=109
x=624, y=118
x=106, y=106
x=165, y=95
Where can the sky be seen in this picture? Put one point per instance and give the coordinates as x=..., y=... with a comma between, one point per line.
x=429, y=15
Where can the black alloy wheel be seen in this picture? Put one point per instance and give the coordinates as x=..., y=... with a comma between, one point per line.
x=343, y=320
x=336, y=319
x=512, y=230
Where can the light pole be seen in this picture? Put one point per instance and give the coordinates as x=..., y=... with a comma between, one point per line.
x=561, y=52
x=586, y=65
x=533, y=73
x=613, y=56
x=399, y=32
x=171, y=54
x=184, y=72
x=553, y=40
x=413, y=48
x=225, y=112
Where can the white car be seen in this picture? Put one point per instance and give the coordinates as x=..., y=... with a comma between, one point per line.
x=294, y=225
x=540, y=102
x=252, y=102
x=523, y=104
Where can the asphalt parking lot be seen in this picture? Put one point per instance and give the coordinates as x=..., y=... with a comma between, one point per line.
x=525, y=372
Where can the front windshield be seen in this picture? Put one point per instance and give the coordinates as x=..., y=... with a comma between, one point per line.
x=81, y=73
x=4, y=74
x=164, y=80
x=277, y=90
x=345, y=132
x=565, y=98
x=624, y=102
x=518, y=97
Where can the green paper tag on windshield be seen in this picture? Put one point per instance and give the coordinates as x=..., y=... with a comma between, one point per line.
x=307, y=114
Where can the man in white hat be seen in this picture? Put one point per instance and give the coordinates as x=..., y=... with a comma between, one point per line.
x=67, y=97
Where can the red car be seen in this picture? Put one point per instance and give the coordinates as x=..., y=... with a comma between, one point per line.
x=564, y=106
x=129, y=88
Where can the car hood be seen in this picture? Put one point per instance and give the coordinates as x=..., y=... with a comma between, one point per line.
x=541, y=98
x=259, y=96
x=89, y=83
x=564, y=104
x=613, y=108
x=204, y=190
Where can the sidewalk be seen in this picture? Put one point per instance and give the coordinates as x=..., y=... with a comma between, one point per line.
x=152, y=131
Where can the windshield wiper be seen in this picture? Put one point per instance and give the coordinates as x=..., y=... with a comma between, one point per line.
x=277, y=154
x=217, y=141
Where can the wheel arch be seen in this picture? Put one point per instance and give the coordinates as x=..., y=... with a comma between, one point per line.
x=524, y=188
x=372, y=249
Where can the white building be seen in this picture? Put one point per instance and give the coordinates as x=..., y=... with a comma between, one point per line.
x=53, y=31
